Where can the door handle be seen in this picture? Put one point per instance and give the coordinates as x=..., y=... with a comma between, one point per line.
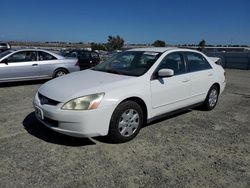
x=210, y=74
x=34, y=64
x=185, y=80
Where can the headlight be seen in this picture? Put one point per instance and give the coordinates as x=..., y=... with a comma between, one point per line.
x=88, y=102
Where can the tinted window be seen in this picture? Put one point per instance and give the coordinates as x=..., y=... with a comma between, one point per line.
x=43, y=56
x=84, y=55
x=23, y=56
x=94, y=55
x=72, y=54
x=77, y=54
x=5, y=53
x=197, y=62
x=175, y=62
x=3, y=44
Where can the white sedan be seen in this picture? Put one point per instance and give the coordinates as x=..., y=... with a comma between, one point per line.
x=119, y=96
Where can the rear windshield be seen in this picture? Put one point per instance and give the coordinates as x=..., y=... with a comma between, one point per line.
x=3, y=54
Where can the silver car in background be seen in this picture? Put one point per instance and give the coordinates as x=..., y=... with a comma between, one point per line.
x=31, y=64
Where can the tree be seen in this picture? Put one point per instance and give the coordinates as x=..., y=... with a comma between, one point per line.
x=159, y=43
x=115, y=43
x=96, y=46
x=201, y=45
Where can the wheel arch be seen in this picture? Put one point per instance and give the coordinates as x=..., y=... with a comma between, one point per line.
x=217, y=85
x=60, y=68
x=142, y=104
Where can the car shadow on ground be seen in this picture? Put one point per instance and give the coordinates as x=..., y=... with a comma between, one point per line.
x=35, y=128
x=167, y=117
x=22, y=83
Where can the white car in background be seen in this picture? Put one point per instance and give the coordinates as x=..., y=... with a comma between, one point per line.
x=119, y=96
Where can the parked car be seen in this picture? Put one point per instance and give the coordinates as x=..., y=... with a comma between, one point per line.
x=4, y=47
x=87, y=59
x=118, y=100
x=32, y=64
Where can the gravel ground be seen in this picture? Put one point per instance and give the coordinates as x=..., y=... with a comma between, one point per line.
x=191, y=149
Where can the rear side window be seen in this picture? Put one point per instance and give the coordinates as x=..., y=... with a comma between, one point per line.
x=24, y=56
x=94, y=55
x=84, y=55
x=175, y=62
x=43, y=56
x=3, y=44
x=196, y=62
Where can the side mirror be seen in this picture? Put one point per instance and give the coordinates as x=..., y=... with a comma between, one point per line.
x=5, y=61
x=165, y=72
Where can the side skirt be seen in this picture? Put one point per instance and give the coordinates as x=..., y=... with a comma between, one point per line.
x=173, y=112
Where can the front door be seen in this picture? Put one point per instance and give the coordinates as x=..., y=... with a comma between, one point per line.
x=170, y=93
x=20, y=65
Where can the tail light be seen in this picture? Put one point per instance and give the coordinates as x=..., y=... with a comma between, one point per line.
x=218, y=62
x=77, y=63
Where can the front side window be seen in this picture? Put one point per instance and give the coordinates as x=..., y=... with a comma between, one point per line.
x=175, y=62
x=3, y=44
x=131, y=63
x=43, y=56
x=196, y=62
x=24, y=56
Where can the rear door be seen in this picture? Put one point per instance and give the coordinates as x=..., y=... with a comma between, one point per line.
x=95, y=59
x=201, y=74
x=85, y=59
x=21, y=65
x=47, y=63
x=170, y=93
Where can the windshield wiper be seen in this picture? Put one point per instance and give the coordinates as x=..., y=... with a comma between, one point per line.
x=113, y=71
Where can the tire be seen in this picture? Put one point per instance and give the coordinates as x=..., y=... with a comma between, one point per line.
x=211, y=99
x=125, y=122
x=60, y=72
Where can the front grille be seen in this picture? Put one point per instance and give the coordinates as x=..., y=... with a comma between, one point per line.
x=46, y=100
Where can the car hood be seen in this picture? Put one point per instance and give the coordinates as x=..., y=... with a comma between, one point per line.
x=81, y=83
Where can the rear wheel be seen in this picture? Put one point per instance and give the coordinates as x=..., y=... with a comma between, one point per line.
x=60, y=72
x=125, y=122
x=212, y=98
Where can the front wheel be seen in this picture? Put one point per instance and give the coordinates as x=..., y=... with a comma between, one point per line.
x=125, y=122
x=212, y=98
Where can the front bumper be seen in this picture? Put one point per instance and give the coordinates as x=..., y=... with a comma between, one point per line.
x=82, y=123
x=222, y=86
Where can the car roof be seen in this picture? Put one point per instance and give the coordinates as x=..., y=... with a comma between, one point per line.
x=154, y=49
x=164, y=49
x=41, y=50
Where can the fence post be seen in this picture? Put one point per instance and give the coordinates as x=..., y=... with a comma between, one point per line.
x=248, y=66
x=225, y=57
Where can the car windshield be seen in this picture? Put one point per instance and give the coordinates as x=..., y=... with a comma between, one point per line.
x=7, y=52
x=131, y=63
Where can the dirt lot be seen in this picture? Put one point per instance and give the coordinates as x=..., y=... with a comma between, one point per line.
x=191, y=149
